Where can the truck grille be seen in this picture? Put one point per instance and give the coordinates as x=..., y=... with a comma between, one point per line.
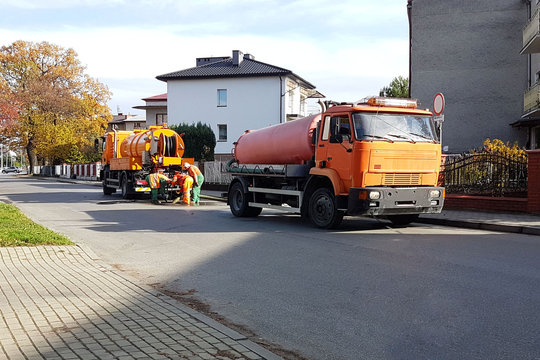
x=401, y=179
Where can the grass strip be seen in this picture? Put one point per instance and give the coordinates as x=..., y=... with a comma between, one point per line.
x=18, y=230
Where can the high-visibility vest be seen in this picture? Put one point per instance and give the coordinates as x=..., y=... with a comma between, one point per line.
x=194, y=171
x=155, y=180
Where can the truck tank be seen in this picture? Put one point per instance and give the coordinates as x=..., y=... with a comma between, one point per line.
x=286, y=143
x=131, y=150
x=169, y=143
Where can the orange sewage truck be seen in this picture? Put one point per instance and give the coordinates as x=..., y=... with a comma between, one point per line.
x=380, y=158
x=129, y=156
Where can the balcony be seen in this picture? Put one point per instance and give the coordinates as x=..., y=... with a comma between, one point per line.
x=531, y=101
x=531, y=35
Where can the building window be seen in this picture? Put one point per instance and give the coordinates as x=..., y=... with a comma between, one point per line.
x=161, y=119
x=222, y=97
x=222, y=132
x=137, y=125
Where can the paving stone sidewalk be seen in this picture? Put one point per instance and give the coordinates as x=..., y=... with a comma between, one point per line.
x=60, y=302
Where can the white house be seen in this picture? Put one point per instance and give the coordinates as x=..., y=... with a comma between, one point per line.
x=156, y=109
x=127, y=122
x=234, y=94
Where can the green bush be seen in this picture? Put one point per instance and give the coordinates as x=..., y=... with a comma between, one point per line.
x=199, y=140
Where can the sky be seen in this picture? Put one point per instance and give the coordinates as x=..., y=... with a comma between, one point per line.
x=348, y=49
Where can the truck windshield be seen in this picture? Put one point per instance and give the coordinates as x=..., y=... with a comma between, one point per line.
x=395, y=127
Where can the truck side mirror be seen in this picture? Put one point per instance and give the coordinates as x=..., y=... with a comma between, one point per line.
x=344, y=137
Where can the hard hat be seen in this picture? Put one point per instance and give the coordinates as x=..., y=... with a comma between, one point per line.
x=186, y=165
x=160, y=170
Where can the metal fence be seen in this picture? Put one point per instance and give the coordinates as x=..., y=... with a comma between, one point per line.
x=485, y=173
x=214, y=173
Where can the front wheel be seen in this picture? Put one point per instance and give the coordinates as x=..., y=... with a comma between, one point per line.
x=106, y=190
x=403, y=220
x=323, y=211
x=238, y=202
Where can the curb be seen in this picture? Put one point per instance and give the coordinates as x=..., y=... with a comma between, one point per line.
x=479, y=225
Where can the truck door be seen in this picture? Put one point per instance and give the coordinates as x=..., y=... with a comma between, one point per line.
x=335, y=146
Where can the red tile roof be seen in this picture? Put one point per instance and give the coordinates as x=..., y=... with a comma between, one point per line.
x=160, y=97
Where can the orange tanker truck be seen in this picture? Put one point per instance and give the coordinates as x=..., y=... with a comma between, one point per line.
x=380, y=158
x=129, y=156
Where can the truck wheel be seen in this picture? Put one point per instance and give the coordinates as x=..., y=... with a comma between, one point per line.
x=403, y=220
x=323, y=211
x=126, y=193
x=106, y=190
x=238, y=202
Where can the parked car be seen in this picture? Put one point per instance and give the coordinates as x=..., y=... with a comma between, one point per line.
x=10, y=170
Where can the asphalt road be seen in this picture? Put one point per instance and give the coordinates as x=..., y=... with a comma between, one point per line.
x=365, y=291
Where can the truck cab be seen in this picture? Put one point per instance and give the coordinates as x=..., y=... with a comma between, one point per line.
x=382, y=157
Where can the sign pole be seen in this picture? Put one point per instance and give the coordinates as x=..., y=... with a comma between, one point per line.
x=438, y=108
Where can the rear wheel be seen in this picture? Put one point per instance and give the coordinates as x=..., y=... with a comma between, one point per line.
x=323, y=211
x=126, y=188
x=403, y=220
x=238, y=202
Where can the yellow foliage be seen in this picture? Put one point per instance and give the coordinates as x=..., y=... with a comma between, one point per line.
x=500, y=147
x=60, y=107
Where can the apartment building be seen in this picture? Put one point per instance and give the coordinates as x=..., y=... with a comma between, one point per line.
x=482, y=55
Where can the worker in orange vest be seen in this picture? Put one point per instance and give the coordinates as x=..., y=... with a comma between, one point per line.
x=157, y=181
x=185, y=182
x=198, y=180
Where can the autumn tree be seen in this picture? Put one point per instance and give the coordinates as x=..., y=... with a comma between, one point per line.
x=398, y=88
x=8, y=112
x=60, y=109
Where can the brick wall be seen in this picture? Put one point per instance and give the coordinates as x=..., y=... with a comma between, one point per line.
x=460, y=202
x=533, y=184
x=531, y=204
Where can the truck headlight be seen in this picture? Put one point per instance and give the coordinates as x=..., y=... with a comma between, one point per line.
x=434, y=193
x=374, y=195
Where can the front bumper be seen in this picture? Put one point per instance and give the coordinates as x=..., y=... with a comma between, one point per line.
x=395, y=201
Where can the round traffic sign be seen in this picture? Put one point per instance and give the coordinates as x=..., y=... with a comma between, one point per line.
x=438, y=104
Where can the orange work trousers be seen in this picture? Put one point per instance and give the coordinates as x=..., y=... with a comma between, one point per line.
x=186, y=189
